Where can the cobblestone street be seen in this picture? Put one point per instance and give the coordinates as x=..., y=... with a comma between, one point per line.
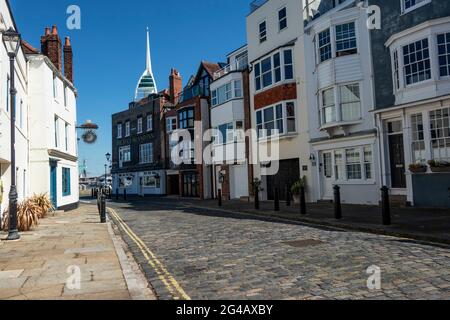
x=214, y=255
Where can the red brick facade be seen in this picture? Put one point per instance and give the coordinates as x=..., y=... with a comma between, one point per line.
x=68, y=60
x=51, y=46
x=275, y=95
x=176, y=85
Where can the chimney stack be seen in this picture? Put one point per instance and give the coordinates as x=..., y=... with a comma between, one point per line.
x=68, y=60
x=51, y=46
x=176, y=85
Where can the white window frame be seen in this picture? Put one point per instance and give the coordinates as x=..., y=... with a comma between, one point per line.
x=124, y=155
x=284, y=118
x=119, y=131
x=333, y=42
x=149, y=123
x=127, y=129
x=285, y=19
x=262, y=34
x=338, y=104
x=171, y=124
x=146, y=153
x=342, y=166
x=140, y=124
x=419, y=3
x=258, y=65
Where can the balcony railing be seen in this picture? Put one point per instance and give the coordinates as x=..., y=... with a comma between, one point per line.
x=195, y=91
x=239, y=65
x=256, y=4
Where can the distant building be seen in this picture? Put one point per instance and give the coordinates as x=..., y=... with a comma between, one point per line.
x=146, y=84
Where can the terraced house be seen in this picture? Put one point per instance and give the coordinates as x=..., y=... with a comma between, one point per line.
x=412, y=107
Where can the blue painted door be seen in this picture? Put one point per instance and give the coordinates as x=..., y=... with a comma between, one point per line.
x=53, y=186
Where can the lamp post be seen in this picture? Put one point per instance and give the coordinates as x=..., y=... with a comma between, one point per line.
x=11, y=40
x=108, y=158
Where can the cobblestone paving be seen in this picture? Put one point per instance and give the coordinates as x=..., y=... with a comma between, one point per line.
x=218, y=256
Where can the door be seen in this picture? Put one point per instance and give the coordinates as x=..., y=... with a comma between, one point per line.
x=191, y=187
x=327, y=175
x=141, y=186
x=53, y=186
x=239, y=182
x=288, y=174
x=397, y=154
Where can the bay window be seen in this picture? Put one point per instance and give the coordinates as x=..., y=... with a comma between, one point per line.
x=227, y=92
x=325, y=45
x=279, y=118
x=328, y=106
x=238, y=88
x=443, y=41
x=274, y=69
x=346, y=39
x=343, y=107
x=229, y=133
x=416, y=61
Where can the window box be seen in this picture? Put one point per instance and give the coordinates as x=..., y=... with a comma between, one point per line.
x=418, y=168
x=439, y=167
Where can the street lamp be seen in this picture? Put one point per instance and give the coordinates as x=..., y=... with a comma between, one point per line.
x=11, y=40
x=108, y=158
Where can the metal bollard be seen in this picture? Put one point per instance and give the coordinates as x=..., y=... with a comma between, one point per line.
x=117, y=194
x=386, y=206
x=337, y=203
x=288, y=196
x=103, y=208
x=219, y=196
x=277, y=200
x=303, y=201
x=92, y=193
x=125, y=194
x=257, y=200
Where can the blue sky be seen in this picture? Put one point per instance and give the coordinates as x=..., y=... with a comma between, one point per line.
x=109, y=50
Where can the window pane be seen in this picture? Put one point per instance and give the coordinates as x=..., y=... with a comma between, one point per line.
x=325, y=45
x=416, y=58
x=444, y=54
x=353, y=164
x=345, y=39
x=350, y=102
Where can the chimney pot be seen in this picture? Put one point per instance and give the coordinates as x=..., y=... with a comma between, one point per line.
x=47, y=31
x=54, y=30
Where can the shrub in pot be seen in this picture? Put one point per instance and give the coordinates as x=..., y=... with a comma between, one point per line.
x=296, y=188
x=28, y=214
x=255, y=187
x=439, y=166
x=418, y=168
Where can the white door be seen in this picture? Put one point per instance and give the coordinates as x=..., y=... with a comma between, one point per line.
x=327, y=176
x=239, y=182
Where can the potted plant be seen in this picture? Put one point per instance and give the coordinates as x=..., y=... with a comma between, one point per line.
x=418, y=168
x=255, y=187
x=296, y=188
x=439, y=166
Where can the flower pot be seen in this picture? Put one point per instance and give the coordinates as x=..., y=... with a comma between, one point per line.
x=440, y=169
x=418, y=170
x=296, y=198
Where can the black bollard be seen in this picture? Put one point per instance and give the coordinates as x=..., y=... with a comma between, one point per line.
x=219, y=196
x=92, y=193
x=125, y=194
x=103, y=208
x=386, y=206
x=277, y=200
x=117, y=194
x=257, y=200
x=302, y=201
x=337, y=203
x=288, y=196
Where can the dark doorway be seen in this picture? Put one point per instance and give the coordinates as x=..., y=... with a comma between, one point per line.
x=397, y=161
x=190, y=185
x=288, y=174
x=173, y=185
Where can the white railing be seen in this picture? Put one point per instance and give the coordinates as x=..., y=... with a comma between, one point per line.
x=239, y=65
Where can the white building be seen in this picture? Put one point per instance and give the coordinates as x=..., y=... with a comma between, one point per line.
x=340, y=97
x=53, y=141
x=22, y=109
x=275, y=55
x=229, y=119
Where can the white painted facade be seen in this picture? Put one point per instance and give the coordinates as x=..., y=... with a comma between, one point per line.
x=340, y=97
x=228, y=123
x=292, y=145
x=22, y=126
x=53, y=135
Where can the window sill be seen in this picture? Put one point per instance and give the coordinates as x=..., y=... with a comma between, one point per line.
x=355, y=182
x=417, y=6
x=340, y=124
x=280, y=83
x=279, y=137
